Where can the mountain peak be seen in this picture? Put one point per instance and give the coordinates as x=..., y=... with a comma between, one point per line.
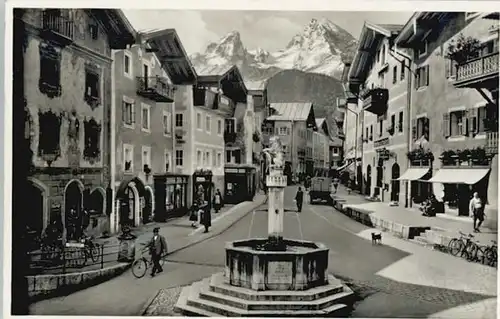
x=229, y=47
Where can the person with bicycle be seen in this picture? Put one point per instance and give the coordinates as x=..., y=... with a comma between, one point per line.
x=157, y=247
x=476, y=209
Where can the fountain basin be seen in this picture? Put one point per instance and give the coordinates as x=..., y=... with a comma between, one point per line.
x=303, y=265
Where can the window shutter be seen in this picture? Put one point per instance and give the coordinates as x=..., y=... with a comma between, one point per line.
x=124, y=112
x=133, y=112
x=414, y=129
x=446, y=124
x=426, y=75
x=473, y=120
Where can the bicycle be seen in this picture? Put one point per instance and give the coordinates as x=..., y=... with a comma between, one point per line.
x=90, y=250
x=140, y=266
x=463, y=246
x=490, y=254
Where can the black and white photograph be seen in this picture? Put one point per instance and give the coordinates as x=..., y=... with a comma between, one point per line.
x=252, y=160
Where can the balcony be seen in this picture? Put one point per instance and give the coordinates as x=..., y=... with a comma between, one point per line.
x=480, y=72
x=205, y=97
x=155, y=88
x=57, y=28
x=229, y=137
x=375, y=100
x=381, y=142
x=226, y=103
x=492, y=142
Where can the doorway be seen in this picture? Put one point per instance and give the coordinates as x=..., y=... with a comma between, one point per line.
x=395, y=183
x=368, y=180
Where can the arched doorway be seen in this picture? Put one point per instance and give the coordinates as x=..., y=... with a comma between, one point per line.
x=147, y=211
x=35, y=223
x=131, y=194
x=395, y=183
x=73, y=201
x=368, y=180
x=96, y=203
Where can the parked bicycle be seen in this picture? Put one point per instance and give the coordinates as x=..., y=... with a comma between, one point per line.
x=464, y=246
x=91, y=250
x=490, y=254
x=140, y=266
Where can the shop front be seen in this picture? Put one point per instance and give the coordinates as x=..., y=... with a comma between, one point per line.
x=203, y=188
x=170, y=195
x=240, y=184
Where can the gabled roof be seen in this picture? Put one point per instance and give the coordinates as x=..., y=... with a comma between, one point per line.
x=171, y=53
x=120, y=32
x=419, y=26
x=214, y=70
x=256, y=87
x=290, y=111
x=229, y=78
x=371, y=36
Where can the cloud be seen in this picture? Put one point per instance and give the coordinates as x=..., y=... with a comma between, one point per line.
x=191, y=28
x=266, y=30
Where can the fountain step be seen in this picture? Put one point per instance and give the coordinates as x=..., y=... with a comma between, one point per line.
x=218, y=284
x=182, y=307
x=194, y=300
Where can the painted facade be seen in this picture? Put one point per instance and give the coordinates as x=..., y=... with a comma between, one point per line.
x=67, y=90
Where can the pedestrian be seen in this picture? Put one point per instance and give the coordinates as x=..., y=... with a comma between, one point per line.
x=206, y=218
x=476, y=209
x=217, y=201
x=193, y=216
x=157, y=248
x=299, y=197
x=335, y=184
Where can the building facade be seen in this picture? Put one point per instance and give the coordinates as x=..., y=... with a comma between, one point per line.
x=68, y=100
x=295, y=123
x=379, y=75
x=454, y=112
x=321, y=148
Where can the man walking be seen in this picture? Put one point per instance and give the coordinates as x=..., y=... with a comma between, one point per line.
x=299, y=197
x=158, y=248
x=476, y=209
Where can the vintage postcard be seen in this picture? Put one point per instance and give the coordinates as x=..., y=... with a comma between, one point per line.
x=222, y=159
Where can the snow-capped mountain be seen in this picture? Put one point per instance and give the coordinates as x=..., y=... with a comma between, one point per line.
x=317, y=49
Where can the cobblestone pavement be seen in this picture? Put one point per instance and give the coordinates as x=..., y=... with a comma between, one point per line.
x=354, y=259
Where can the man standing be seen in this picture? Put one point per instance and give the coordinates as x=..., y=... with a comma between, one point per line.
x=158, y=248
x=476, y=209
x=299, y=197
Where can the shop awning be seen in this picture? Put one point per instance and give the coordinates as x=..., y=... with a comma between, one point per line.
x=412, y=174
x=459, y=175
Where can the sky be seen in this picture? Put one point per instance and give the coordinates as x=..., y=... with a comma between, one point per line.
x=270, y=30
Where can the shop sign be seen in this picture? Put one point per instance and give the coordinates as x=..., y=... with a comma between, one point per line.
x=200, y=179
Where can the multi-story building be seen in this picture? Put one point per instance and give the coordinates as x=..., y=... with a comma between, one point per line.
x=143, y=93
x=379, y=75
x=295, y=123
x=321, y=148
x=454, y=107
x=67, y=90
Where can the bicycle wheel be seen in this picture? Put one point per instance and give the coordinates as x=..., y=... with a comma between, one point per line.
x=490, y=257
x=139, y=268
x=470, y=251
x=95, y=252
x=455, y=246
x=480, y=254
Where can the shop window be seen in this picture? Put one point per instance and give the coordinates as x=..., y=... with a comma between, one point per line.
x=49, y=82
x=92, y=134
x=49, y=136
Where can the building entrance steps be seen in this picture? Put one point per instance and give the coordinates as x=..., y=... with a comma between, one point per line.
x=409, y=223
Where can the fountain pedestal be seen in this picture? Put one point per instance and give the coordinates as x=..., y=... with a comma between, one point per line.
x=270, y=277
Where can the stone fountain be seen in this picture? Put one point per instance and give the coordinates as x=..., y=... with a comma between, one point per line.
x=270, y=277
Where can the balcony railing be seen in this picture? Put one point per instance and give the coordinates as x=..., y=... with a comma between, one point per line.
x=59, y=28
x=229, y=137
x=375, y=100
x=478, y=70
x=155, y=88
x=226, y=102
x=492, y=142
x=381, y=142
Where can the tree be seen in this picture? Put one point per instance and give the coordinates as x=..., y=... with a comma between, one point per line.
x=463, y=49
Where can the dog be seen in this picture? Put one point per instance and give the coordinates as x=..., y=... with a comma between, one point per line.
x=376, y=238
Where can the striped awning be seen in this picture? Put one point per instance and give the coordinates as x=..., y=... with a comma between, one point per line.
x=459, y=175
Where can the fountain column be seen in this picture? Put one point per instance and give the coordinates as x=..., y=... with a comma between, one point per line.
x=276, y=183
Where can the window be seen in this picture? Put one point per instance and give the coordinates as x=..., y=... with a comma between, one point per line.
x=283, y=131
x=199, y=160
x=450, y=69
x=50, y=70
x=208, y=124
x=422, y=129
x=207, y=159
x=128, y=156
x=400, y=122
x=94, y=31
x=422, y=77
x=198, y=121
x=128, y=112
x=476, y=120
x=380, y=128
x=393, y=123
x=395, y=74
x=168, y=160
x=179, y=158
x=179, y=120
x=167, y=124
x=219, y=127
x=127, y=64
x=146, y=157
x=219, y=159
x=367, y=135
x=403, y=70
x=455, y=124
x=230, y=125
x=92, y=87
x=421, y=49
x=145, y=118
x=371, y=133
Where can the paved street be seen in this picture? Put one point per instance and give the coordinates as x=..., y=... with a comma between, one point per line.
x=396, y=279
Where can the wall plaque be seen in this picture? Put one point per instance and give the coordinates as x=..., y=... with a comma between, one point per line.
x=279, y=272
